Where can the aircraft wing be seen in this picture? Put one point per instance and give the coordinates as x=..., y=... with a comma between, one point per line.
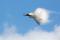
x=37, y=21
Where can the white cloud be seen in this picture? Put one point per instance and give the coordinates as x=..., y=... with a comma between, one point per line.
x=34, y=34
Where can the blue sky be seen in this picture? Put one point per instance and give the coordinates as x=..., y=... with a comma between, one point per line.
x=11, y=12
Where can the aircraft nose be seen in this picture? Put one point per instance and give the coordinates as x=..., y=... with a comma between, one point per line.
x=26, y=15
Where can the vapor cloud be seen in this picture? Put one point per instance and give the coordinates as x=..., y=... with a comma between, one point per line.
x=43, y=14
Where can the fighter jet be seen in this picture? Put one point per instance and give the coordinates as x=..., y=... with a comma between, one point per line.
x=33, y=17
x=40, y=15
